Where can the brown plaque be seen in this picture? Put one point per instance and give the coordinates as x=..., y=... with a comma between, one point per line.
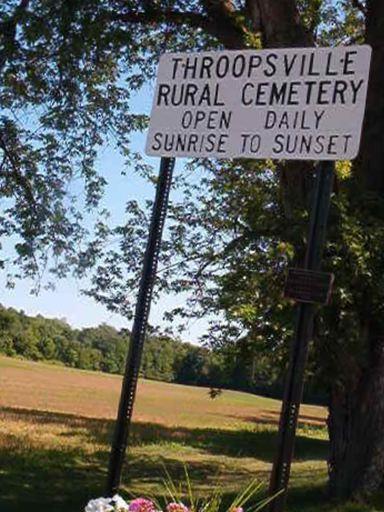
x=309, y=286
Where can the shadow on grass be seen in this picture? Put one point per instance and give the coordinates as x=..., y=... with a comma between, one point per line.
x=259, y=443
x=305, y=420
x=265, y=417
x=64, y=478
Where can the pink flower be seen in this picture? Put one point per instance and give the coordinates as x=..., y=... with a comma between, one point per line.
x=141, y=505
x=237, y=509
x=177, y=507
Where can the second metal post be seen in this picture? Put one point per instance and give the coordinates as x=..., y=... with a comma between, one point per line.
x=303, y=334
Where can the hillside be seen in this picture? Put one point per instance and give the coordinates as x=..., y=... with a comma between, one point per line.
x=93, y=394
x=56, y=425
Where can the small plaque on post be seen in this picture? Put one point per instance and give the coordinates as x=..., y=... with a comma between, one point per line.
x=309, y=286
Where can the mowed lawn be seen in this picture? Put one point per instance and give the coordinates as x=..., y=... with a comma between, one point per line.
x=56, y=425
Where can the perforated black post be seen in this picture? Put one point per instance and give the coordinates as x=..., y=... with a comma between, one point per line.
x=128, y=391
x=293, y=390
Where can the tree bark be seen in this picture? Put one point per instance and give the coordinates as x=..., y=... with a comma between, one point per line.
x=356, y=426
x=281, y=26
x=370, y=168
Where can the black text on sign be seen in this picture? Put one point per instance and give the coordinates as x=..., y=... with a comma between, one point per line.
x=288, y=103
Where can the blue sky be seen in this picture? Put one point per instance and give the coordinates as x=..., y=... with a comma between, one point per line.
x=67, y=301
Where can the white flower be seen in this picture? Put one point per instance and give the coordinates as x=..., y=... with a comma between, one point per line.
x=100, y=505
x=115, y=504
x=120, y=504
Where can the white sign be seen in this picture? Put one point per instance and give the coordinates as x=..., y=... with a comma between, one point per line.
x=305, y=103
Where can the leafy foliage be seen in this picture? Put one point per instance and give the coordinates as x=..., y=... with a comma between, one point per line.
x=68, y=73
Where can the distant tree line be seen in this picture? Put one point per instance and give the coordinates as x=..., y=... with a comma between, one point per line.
x=104, y=348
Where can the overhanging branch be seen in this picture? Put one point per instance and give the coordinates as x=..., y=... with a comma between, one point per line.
x=8, y=32
x=219, y=21
x=253, y=11
x=15, y=173
x=358, y=4
x=157, y=16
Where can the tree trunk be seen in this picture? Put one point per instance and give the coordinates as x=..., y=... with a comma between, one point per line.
x=370, y=166
x=281, y=26
x=356, y=426
x=356, y=416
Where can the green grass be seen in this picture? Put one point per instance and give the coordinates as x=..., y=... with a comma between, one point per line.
x=56, y=425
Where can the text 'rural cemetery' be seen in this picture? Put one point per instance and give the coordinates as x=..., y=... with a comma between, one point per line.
x=289, y=103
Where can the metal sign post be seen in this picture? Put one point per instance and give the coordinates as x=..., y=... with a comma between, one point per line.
x=128, y=391
x=303, y=335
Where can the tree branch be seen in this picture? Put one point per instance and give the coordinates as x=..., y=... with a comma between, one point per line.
x=8, y=32
x=253, y=10
x=220, y=21
x=157, y=16
x=358, y=4
x=281, y=25
x=18, y=177
x=225, y=23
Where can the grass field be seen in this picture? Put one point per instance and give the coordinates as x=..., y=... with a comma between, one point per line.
x=56, y=425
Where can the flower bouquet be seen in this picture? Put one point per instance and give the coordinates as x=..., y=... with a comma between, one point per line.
x=174, y=502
